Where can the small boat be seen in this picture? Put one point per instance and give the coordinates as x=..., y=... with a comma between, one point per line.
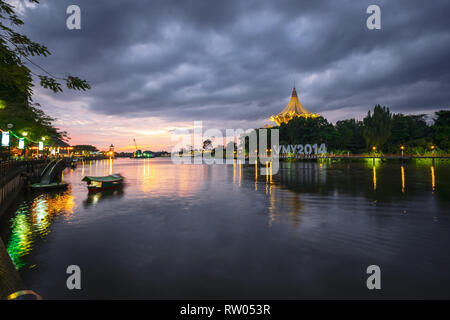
x=96, y=184
x=49, y=186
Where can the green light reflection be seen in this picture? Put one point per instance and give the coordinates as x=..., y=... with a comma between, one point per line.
x=32, y=222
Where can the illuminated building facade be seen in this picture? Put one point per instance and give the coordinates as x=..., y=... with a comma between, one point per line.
x=292, y=110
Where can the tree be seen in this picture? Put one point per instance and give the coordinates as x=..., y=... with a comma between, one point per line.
x=84, y=148
x=409, y=131
x=31, y=119
x=399, y=131
x=350, y=135
x=377, y=126
x=16, y=51
x=16, y=81
x=441, y=130
x=302, y=130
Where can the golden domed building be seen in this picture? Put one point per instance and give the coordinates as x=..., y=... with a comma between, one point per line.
x=292, y=110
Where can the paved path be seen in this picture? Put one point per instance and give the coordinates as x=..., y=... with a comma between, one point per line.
x=10, y=280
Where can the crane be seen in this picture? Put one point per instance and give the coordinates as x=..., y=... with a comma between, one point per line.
x=135, y=145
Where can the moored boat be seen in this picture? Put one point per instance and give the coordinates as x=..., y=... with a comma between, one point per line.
x=96, y=184
x=49, y=186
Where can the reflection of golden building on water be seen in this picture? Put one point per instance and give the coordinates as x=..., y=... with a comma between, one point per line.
x=292, y=110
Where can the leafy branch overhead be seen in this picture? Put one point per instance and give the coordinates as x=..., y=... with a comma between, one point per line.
x=17, y=68
x=16, y=52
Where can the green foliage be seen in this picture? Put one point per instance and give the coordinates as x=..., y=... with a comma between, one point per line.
x=85, y=148
x=377, y=126
x=16, y=81
x=16, y=51
x=441, y=130
x=410, y=131
x=350, y=135
x=302, y=130
x=382, y=129
x=29, y=118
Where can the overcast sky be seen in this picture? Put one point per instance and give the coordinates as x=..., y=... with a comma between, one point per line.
x=159, y=65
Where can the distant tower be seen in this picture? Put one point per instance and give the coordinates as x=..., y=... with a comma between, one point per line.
x=111, y=148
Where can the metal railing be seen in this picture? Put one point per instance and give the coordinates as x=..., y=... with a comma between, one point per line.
x=10, y=168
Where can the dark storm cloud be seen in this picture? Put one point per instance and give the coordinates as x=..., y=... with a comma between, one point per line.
x=237, y=60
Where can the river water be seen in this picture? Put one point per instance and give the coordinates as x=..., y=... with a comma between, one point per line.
x=222, y=231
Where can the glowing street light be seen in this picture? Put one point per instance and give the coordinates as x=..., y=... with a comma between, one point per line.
x=24, y=134
x=373, y=158
x=402, y=148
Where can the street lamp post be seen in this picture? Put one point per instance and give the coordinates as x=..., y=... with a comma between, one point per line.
x=374, y=148
x=432, y=153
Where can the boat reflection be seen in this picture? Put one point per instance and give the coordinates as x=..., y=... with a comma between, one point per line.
x=32, y=222
x=94, y=198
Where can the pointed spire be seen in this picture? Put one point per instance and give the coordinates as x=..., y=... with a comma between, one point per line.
x=293, y=109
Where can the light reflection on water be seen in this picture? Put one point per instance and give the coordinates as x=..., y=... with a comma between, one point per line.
x=31, y=223
x=230, y=232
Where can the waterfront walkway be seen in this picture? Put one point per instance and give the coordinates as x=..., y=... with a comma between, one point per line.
x=10, y=280
x=363, y=156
